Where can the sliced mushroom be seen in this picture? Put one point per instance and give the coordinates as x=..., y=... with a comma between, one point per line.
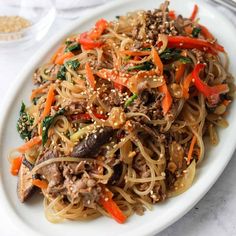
x=25, y=188
x=90, y=146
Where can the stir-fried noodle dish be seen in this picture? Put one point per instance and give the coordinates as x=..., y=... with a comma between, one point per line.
x=119, y=114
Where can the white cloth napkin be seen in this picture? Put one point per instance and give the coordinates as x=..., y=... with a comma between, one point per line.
x=59, y=4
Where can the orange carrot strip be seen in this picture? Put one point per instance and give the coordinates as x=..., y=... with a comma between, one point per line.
x=167, y=100
x=90, y=76
x=40, y=183
x=157, y=60
x=179, y=72
x=15, y=165
x=61, y=58
x=206, y=33
x=36, y=91
x=190, y=152
x=32, y=142
x=59, y=51
x=226, y=102
x=186, y=84
x=48, y=103
x=111, y=207
x=194, y=13
x=136, y=53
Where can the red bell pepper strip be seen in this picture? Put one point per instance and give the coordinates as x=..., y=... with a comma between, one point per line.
x=111, y=207
x=100, y=27
x=87, y=42
x=194, y=13
x=190, y=43
x=211, y=92
x=172, y=15
x=90, y=40
x=206, y=33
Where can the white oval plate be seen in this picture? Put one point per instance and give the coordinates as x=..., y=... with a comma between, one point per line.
x=30, y=216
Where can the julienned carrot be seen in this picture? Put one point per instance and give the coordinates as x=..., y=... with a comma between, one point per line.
x=90, y=76
x=40, y=183
x=61, y=58
x=167, y=100
x=186, y=83
x=58, y=52
x=15, y=165
x=194, y=13
x=179, y=72
x=136, y=53
x=206, y=33
x=32, y=142
x=111, y=207
x=226, y=102
x=36, y=91
x=190, y=152
x=157, y=60
x=49, y=100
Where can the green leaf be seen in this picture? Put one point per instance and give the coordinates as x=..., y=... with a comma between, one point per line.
x=196, y=31
x=131, y=100
x=185, y=60
x=22, y=108
x=73, y=64
x=73, y=47
x=47, y=122
x=61, y=74
x=68, y=42
x=24, y=123
x=145, y=66
x=172, y=54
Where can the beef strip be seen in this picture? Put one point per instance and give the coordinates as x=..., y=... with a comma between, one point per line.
x=50, y=172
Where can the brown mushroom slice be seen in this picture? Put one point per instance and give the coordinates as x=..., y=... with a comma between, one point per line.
x=25, y=188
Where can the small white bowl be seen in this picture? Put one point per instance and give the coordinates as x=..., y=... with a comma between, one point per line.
x=40, y=18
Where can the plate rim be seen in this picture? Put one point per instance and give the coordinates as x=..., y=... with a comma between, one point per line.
x=35, y=60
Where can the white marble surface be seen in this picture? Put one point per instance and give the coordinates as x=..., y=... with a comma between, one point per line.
x=215, y=214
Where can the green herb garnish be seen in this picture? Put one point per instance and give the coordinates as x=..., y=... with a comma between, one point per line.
x=73, y=64
x=73, y=47
x=47, y=122
x=145, y=66
x=196, y=31
x=185, y=60
x=171, y=54
x=61, y=74
x=24, y=122
x=131, y=100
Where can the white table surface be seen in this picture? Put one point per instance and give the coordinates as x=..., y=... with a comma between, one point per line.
x=215, y=214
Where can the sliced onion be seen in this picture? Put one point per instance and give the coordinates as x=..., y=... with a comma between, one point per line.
x=162, y=38
x=184, y=182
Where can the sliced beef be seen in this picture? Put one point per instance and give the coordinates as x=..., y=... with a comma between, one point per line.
x=25, y=188
x=50, y=172
x=91, y=145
